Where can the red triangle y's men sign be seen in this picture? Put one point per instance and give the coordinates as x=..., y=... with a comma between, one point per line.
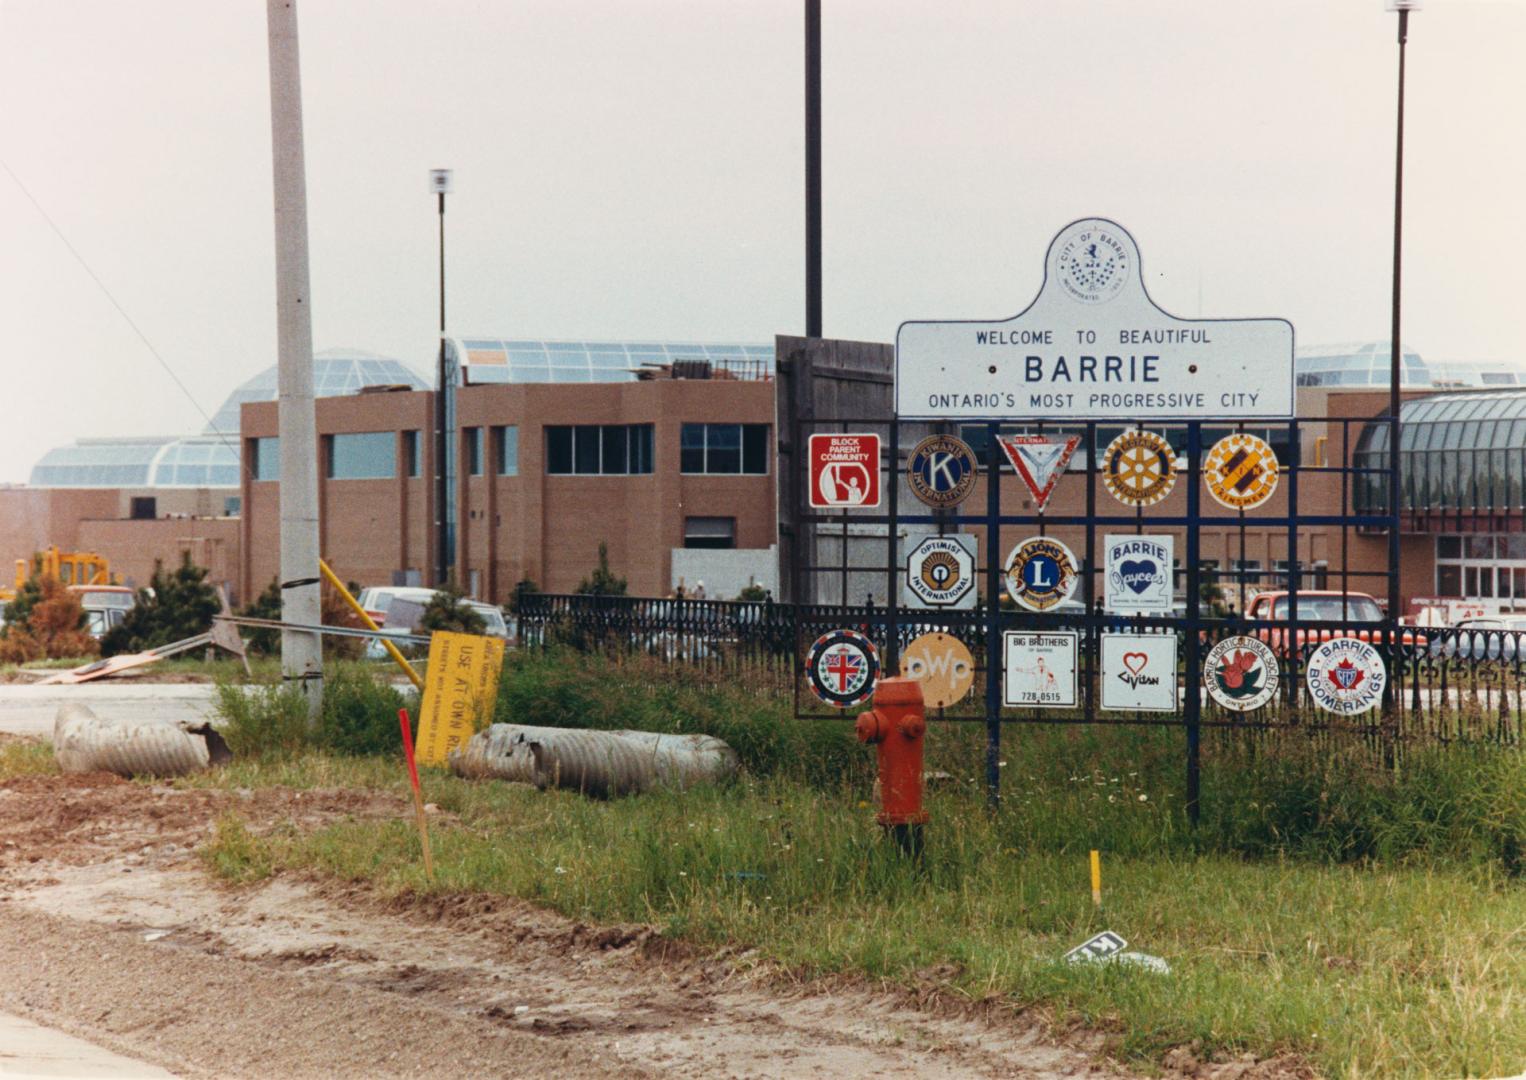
x=1040, y=460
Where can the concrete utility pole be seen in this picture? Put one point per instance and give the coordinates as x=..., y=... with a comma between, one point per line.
x=301, y=652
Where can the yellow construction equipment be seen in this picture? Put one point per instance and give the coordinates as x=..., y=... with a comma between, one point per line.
x=69, y=567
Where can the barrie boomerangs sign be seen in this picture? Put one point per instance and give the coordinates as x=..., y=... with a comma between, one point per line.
x=1094, y=346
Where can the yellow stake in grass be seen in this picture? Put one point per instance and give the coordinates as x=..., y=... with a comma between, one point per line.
x=1096, y=878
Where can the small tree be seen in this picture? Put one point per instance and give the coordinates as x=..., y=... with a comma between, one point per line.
x=54, y=627
x=753, y=593
x=265, y=606
x=176, y=606
x=446, y=611
x=30, y=592
x=602, y=582
x=526, y=587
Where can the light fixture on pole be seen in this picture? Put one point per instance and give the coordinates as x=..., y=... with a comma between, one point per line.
x=1395, y=358
x=440, y=184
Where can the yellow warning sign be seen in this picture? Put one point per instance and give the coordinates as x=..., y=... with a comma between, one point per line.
x=460, y=688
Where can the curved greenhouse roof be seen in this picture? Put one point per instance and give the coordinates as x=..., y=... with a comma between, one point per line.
x=1364, y=363
x=493, y=360
x=335, y=372
x=209, y=459
x=196, y=462
x=1458, y=451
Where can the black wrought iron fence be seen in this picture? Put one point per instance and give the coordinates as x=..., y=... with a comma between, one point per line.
x=1448, y=685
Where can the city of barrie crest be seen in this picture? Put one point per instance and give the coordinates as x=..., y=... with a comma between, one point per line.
x=1092, y=262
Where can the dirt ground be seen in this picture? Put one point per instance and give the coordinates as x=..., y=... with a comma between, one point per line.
x=110, y=930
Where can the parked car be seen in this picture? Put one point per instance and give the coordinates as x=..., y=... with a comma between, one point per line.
x=1322, y=614
x=1496, y=637
x=409, y=602
x=105, y=606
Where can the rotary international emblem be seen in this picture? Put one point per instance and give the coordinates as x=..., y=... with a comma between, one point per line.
x=941, y=471
x=1139, y=468
x=1346, y=676
x=842, y=668
x=1241, y=673
x=1041, y=573
x=1241, y=471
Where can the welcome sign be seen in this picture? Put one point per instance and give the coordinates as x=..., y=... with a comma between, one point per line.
x=1094, y=346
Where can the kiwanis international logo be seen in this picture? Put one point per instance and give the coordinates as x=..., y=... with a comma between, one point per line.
x=941, y=471
x=1093, y=261
x=1346, y=676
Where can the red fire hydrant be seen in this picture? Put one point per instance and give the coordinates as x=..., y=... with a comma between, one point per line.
x=896, y=725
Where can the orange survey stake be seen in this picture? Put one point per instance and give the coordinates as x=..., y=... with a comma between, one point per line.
x=896, y=725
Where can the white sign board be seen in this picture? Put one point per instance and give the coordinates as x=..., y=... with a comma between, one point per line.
x=940, y=572
x=1139, y=672
x=1137, y=573
x=1040, y=668
x=1093, y=346
x=1099, y=947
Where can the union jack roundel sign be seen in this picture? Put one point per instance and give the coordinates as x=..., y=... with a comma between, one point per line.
x=842, y=668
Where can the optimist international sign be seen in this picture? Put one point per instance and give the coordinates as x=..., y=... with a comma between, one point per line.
x=1093, y=346
x=459, y=690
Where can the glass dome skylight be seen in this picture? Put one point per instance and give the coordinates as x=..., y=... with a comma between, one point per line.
x=335, y=372
x=491, y=360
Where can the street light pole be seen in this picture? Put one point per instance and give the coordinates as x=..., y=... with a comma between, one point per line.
x=301, y=651
x=813, y=168
x=1395, y=358
x=440, y=184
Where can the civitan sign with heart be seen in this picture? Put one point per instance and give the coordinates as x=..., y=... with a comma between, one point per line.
x=1137, y=572
x=1139, y=672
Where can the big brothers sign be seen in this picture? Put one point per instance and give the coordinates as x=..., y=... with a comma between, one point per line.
x=1093, y=346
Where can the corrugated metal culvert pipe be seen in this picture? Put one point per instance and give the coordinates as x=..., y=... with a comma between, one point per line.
x=597, y=763
x=84, y=742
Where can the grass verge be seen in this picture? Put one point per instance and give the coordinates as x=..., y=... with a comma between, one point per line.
x=1365, y=970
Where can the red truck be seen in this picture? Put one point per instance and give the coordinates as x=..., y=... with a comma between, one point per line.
x=1322, y=614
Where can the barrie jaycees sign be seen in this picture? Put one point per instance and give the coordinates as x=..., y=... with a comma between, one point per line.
x=1093, y=345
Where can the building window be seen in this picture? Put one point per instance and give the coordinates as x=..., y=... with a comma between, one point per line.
x=267, y=458
x=598, y=450
x=1483, y=566
x=723, y=449
x=508, y=449
x=413, y=453
x=474, y=451
x=710, y=532
x=232, y=506
x=144, y=508
x=369, y=455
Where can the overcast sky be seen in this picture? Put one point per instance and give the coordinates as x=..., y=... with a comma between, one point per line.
x=633, y=170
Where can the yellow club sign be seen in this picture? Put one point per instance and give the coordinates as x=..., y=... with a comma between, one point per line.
x=1241, y=471
x=944, y=667
x=1139, y=468
x=459, y=690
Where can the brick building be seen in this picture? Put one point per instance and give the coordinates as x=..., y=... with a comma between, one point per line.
x=667, y=454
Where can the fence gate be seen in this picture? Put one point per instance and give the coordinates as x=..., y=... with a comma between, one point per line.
x=1084, y=498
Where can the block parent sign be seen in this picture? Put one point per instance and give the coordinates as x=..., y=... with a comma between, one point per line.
x=1093, y=345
